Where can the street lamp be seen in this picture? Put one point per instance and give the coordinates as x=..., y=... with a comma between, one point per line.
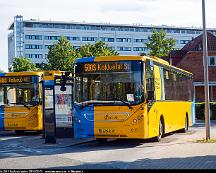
x=206, y=80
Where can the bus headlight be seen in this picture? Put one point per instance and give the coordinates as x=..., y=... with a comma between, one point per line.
x=134, y=120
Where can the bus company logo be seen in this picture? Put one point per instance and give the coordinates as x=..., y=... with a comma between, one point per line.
x=106, y=130
x=108, y=117
x=12, y=124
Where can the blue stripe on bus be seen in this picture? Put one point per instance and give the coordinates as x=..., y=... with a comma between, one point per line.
x=83, y=122
x=35, y=79
x=1, y=117
x=48, y=82
x=2, y=74
x=85, y=59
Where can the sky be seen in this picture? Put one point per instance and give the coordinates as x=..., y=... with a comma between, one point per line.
x=180, y=13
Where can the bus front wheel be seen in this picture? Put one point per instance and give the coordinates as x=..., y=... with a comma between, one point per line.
x=185, y=129
x=101, y=140
x=161, y=130
x=19, y=132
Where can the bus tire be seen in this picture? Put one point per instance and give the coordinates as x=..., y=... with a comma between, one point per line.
x=101, y=140
x=19, y=132
x=185, y=129
x=38, y=132
x=161, y=130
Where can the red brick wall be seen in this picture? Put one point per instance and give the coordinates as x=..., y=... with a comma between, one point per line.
x=193, y=62
x=200, y=95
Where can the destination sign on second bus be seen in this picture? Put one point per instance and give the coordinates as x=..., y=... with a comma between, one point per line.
x=10, y=80
x=107, y=67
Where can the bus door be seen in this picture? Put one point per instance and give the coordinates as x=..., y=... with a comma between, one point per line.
x=150, y=92
x=63, y=109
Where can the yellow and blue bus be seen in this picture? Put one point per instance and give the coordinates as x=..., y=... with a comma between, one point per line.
x=21, y=100
x=130, y=97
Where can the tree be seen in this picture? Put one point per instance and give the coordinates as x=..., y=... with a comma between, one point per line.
x=159, y=45
x=98, y=49
x=22, y=64
x=61, y=56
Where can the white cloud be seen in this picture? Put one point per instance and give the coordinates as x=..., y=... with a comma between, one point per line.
x=156, y=12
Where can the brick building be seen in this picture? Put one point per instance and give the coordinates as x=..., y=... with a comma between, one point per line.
x=190, y=58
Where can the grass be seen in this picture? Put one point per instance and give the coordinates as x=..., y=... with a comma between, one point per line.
x=206, y=141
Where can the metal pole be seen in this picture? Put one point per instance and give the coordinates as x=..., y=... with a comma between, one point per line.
x=205, y=65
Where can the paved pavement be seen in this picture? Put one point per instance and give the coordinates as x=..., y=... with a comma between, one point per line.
x=175, y=151
x=36, y=141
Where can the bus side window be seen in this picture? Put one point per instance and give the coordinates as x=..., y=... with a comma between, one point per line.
x=150, y=82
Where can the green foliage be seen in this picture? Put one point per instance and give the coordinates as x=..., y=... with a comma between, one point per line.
x=22, y=64
x=98, y=49
x=1, y=71
x=61, y=56
x=159, y=45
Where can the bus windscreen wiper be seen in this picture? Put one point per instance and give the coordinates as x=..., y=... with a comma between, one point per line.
x=25, y=105
x=87, y=104
x=21, y=104
x=125, y=102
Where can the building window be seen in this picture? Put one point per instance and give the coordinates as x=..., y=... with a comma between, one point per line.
x=47, y=46
x=143, y=49
x=176, y=31
x=89, y=38
x=34, y=56
x=73, y=38
x=123, y=39
x=123, y=48
x=33, y=46
x=51, y=37
x=105, y=39
x=190, y=32
x=212, y=60
x=33, y=37
x=140, y=40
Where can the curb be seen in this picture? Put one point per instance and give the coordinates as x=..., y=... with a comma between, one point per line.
x=81, y=142
x=43, y=145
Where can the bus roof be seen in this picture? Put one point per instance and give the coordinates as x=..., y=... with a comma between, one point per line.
x=30, y=73
x=125, y=58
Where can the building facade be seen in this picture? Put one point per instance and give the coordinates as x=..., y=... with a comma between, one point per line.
x=31, y=38
x=190, y=58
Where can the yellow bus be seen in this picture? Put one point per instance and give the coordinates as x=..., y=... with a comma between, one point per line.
x=130, y=97
x=21, y=100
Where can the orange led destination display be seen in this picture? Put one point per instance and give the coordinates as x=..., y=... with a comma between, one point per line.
x=107, y=67
x=11, y=80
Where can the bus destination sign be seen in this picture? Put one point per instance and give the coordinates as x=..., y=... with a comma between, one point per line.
x=107, y=67
x=14, y=80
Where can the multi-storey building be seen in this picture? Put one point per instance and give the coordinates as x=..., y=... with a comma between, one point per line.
x=31, y=38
